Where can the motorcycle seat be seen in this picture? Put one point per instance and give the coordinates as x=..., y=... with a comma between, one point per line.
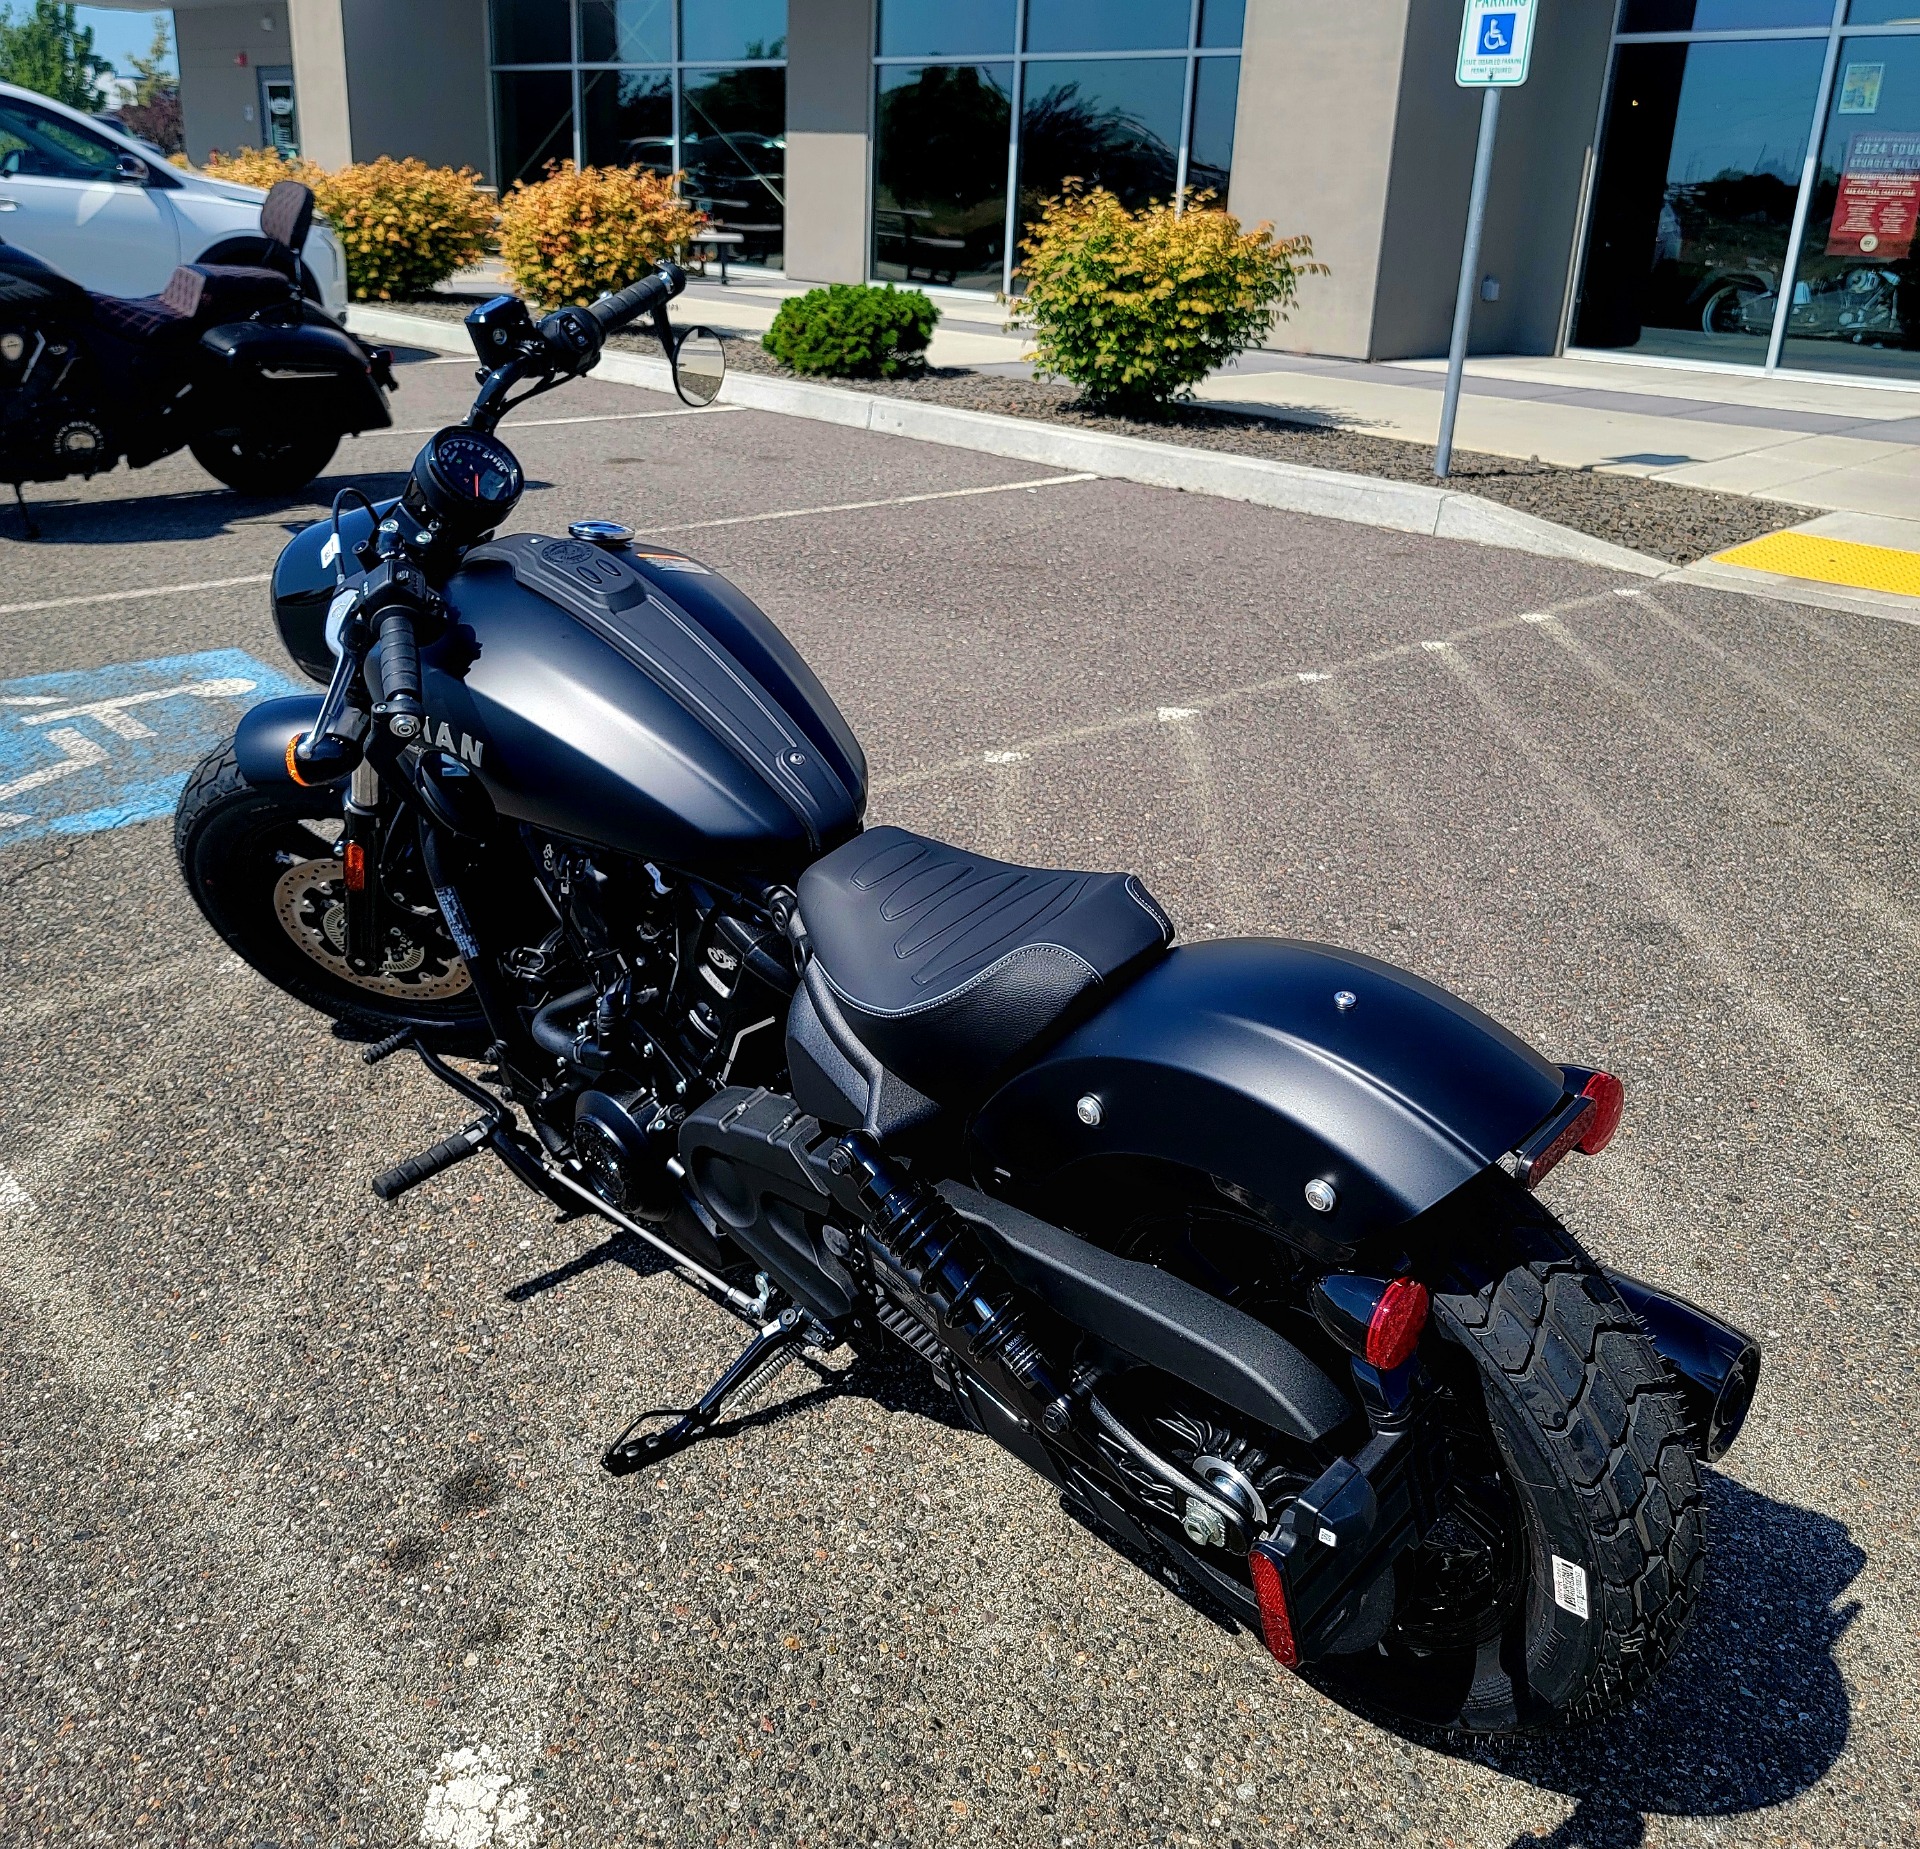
x=947, y=965
x=197, y=295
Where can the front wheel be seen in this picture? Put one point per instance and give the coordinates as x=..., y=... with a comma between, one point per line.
x=260, y=864
x=257, y=460
x=1565, y=1570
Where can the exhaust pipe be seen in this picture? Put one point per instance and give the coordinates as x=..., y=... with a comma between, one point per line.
x=1715, y=1365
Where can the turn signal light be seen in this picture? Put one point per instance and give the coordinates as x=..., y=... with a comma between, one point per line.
x=1609, y=1099
x=1393, y=1331
x=1276, y=1621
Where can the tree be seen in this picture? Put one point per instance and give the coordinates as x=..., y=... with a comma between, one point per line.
x=50, y=51
x=154, y=112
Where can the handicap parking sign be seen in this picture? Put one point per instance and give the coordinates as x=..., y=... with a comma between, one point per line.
x=1496, y=43
x=102, y=747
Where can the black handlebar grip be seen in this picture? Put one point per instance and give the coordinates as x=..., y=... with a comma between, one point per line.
x=399, y=662
x=613, y=312
x=395, y=1181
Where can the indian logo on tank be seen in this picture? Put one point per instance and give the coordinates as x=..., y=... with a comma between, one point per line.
x=462, y=745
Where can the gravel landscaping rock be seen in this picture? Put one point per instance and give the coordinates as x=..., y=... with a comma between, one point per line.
x=1659, y=518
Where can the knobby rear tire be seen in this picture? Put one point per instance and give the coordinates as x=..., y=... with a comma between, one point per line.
x=1593, y=1437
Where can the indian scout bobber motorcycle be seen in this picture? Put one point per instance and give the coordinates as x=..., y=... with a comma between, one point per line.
x=230, y=361
x=1235, y=1243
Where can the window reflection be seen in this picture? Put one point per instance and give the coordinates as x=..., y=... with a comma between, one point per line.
x=1216, y=95
x=626, y=119
x=533, y=119
x=1112, y=122
x=626, y=31
x=940, y=173
x=733, y=148
x=1107, y=25
x=530, y=32
x=727, y=29
x=1222, y=22
x=1723, y=15
x=940, y=29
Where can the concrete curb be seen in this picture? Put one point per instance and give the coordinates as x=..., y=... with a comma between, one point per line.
x=1363, y=500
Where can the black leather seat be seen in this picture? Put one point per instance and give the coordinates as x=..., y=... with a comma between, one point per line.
x=947, y=965
x=203, y=295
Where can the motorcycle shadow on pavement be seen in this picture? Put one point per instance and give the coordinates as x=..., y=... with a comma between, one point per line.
x=1751, y=1713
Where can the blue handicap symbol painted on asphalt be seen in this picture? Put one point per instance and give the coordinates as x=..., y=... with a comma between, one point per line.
x=1496, y=35
x=102, y=747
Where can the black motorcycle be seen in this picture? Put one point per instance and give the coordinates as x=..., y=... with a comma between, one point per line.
x=1236, y=1243
x=230, y=361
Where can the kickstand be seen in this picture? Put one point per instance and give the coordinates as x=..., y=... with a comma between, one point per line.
x=26, y=518
x=772, y=1347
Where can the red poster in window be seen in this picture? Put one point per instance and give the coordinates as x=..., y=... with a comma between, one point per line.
x=1879, y=203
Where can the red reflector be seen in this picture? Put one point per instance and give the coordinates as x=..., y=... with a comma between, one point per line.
x=1276, y=1622
x=1396, y=1323
x=1609, y=1099
x=356, y=864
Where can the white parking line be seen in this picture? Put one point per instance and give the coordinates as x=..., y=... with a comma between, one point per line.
x=151, y=590
x=545, y=423
x=854, y=507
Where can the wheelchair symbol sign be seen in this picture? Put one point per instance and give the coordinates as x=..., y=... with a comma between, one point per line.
x=1496, y=43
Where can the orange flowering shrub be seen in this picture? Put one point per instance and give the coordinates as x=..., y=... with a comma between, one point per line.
x=405, y=226
x=583, y=231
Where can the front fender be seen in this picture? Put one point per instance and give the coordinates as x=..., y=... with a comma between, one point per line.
x=1238, y=1060
x=265, y=731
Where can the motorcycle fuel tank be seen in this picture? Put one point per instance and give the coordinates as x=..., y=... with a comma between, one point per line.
x=632, y=699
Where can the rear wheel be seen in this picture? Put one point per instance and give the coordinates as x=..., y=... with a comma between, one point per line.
x=255, y=460
x=259, y=863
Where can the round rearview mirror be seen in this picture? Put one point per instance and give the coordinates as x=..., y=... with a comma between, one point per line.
x=699, y=364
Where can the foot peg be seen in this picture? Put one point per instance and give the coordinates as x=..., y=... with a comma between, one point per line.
x=395, y=1181
x=385, y=1049
x=776, y=1344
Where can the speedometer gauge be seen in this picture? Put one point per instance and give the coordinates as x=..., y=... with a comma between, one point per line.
x=465, y=482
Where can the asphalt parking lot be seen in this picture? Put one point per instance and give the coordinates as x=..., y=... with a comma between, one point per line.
x=306, y=1539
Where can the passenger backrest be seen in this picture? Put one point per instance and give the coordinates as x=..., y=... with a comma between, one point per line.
x=286, y=216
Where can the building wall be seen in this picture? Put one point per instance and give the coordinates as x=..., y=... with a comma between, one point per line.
x=829, y=107
x=320, y=80
x=219, y=97
x=445, y=122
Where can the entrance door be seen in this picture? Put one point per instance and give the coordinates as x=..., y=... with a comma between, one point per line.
x=279, y=125
x=1856, y=298
x=1693, y=208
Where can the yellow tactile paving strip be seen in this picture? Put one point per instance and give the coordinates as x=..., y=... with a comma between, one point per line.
x=1830, y=561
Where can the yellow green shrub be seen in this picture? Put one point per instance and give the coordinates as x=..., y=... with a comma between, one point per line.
x=405, y=226
x=1138, y=307
x=583, y=231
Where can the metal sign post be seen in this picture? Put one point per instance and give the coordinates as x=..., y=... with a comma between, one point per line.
x=1496, y=48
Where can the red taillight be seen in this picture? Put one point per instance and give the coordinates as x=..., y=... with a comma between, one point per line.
x=1394, y=1328
x=356, y=867
x=1609, y=1099
x=1276, y=1622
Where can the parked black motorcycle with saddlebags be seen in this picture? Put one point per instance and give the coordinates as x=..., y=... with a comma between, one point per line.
x=1235, y=1243
x=230, y=361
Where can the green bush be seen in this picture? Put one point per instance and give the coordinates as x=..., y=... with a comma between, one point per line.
x=854, y=331
x=1138, y=307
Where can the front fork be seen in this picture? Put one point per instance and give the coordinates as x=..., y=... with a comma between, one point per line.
x=360, y=872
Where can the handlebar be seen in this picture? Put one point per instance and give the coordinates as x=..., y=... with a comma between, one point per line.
x=399, y=663
x=614, y=312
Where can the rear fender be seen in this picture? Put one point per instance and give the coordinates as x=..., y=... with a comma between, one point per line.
x=266, y=734
x=1269, y=1066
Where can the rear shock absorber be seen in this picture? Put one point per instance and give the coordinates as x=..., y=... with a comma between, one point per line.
x=932, y=1247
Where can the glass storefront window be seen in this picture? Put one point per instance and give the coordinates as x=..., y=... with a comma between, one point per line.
x=1216, y=95
x=531, y=32
x=1856, y=294
x=940, y=29
x=1884, y=13
x=626, y=119
x=1723, y=15
x=1694, y=202
x=626, y=31
x=533, y=122
x=940, y=174
x=716, y=30
x=1222, y=22
x=733, y=150
x=1107, y=25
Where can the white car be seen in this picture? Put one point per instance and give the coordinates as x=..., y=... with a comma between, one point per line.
x=96, y=205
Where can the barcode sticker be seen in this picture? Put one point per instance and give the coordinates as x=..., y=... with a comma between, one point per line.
x=1569, y=1587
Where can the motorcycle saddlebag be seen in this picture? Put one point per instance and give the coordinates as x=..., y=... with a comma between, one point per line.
x=261, y=370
